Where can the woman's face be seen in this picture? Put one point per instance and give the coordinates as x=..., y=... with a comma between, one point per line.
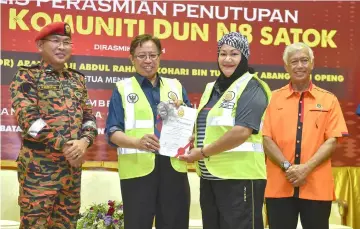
x=229, y=58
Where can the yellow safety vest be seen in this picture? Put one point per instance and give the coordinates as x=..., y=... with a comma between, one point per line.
x=246, y=161
x=139, y=120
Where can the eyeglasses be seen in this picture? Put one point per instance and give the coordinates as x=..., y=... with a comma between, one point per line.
x=303, y=61
x=144, y=56
x=57, y=43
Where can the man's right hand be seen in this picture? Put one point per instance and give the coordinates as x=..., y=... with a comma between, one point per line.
x=149, y=142
x=77, y=162
x=296, y=176
x=66, y=147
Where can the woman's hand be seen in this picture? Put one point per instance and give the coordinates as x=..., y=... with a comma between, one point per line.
x=193, y=155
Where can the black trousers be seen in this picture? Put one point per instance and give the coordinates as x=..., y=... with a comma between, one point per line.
x=164, y=193
x=232, y=204
x=283, y=213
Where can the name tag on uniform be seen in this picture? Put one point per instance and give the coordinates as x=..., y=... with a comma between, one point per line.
x=49, y=87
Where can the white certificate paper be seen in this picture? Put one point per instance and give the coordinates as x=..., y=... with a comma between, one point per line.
x=176, y=132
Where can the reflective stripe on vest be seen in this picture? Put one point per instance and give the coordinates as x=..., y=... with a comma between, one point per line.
x=130, y=110
x=130, y=113
x=248, y=147
x=227, y=119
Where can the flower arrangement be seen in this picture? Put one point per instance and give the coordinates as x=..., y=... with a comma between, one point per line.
x=103, y=216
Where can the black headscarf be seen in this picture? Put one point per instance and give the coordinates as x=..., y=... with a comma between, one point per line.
x=239, y=42
x=224, y=82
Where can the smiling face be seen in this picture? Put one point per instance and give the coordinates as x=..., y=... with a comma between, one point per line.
x=146, y=59
x=229, y=58
x=55, y=50
x=299, y=66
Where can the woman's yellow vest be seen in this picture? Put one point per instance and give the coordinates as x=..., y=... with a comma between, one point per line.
x=139, y=120
x=247, y=161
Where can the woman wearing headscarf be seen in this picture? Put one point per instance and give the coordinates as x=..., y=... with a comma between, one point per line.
x=228, y=141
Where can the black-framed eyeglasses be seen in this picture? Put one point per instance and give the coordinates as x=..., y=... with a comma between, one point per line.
x=145, y=56
x=57, y=43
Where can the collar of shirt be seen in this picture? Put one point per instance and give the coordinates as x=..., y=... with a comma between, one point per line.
x=290, y=90
x=142, y=80
x=216, y=89
x=48, y=69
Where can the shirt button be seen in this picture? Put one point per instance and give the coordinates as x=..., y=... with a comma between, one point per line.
x=299, y=114
x=300, y=101
x=297, y=155
x=299, y=127
x=298, y=141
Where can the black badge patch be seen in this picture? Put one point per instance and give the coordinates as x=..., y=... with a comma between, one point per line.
x=132, y=98
x=172, y=95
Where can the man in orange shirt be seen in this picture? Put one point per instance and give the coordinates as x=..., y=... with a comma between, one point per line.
x=302, y=126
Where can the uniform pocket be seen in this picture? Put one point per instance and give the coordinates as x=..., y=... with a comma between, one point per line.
x=39, y=206
x=319, y=116
x=50, y=99
x=49, y=90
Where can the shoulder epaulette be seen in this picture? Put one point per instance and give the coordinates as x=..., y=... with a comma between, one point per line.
x=30, y=67
x=323, y=90
x=72, y=70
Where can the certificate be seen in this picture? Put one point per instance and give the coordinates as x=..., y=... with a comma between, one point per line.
x=176, y=132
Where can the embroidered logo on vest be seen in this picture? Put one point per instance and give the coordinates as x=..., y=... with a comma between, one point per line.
x=132, y=98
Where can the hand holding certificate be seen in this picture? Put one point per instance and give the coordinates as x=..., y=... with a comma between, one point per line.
x=177, y=128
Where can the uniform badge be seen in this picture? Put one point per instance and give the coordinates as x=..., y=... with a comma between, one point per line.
x=172, y=95
x=48, y=70
x=318, y=106
x=78, y=94
x=132, y=98
x=67, y=29
x=181, y=112
x=48, y=87
x=230, y=95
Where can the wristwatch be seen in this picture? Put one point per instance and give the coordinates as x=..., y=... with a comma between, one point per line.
x=87, y=140
x=285, y=165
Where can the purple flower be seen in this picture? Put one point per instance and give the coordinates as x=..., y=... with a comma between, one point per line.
x=107, y=220
x=99, y=215
x=115, y=221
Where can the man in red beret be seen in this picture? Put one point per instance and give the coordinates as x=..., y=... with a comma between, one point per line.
x=51, y=106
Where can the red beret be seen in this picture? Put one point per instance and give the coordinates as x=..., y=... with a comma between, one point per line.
x=56, y=28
